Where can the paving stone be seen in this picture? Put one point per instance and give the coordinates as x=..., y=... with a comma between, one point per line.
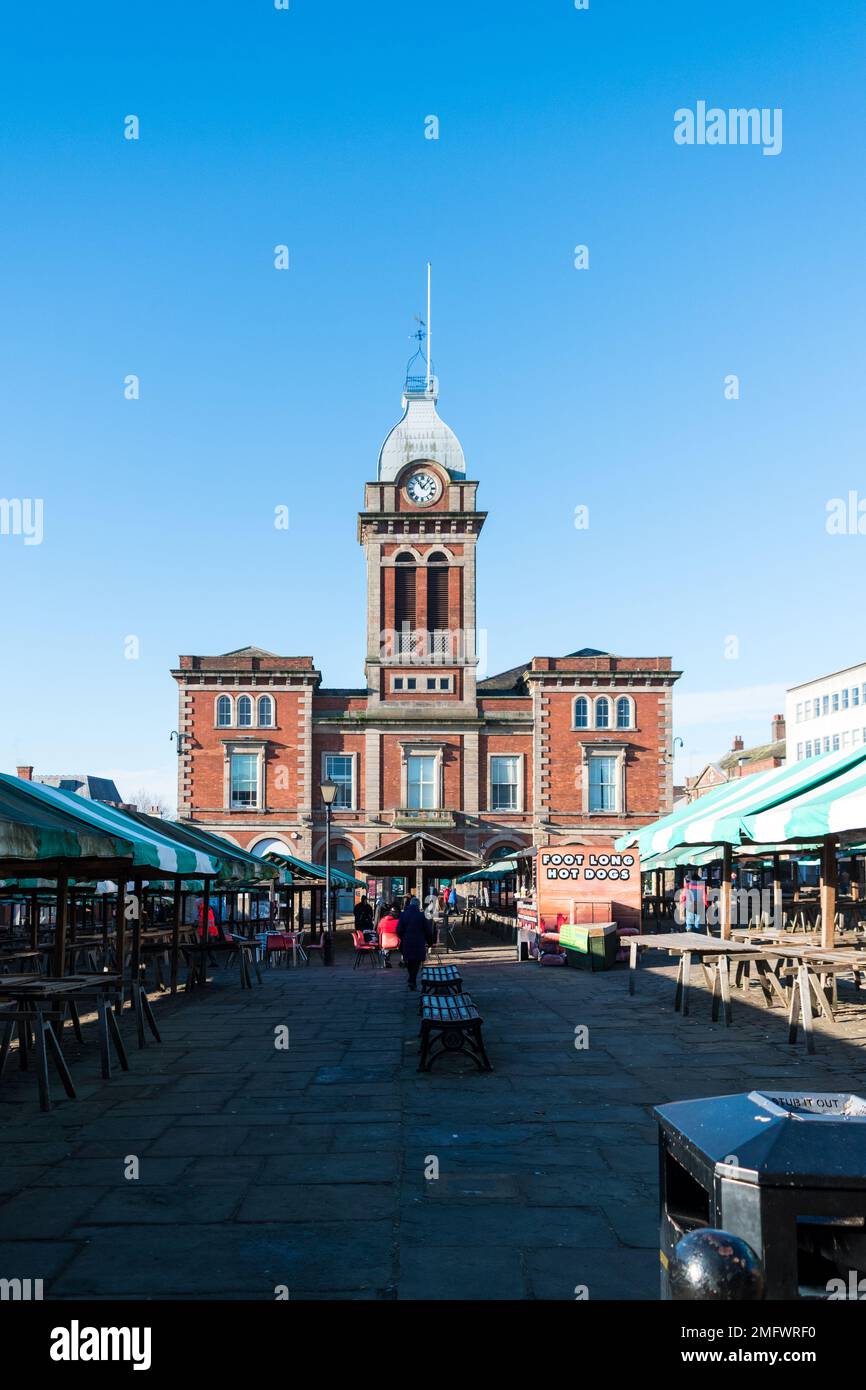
x=212, y=1259
x=182, y=1203
x=307, y=1168
x=461, y=1272
x=358, y=1201
x=621, y=1274
x=47, y=1210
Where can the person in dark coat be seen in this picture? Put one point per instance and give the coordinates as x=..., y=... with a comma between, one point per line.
x=363, y=913
x=415, y=933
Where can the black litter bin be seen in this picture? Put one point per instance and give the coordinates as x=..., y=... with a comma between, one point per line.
x=784, y=1172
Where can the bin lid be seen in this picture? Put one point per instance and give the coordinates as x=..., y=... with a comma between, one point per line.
x=788, y=1138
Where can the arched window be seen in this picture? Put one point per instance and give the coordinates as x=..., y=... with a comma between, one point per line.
x=224, y=712
x=404, y=602
x=245, y=712
x=266, y=712
x=602, y=712
x=437, y=602
x=581, y=712
x=623, y=712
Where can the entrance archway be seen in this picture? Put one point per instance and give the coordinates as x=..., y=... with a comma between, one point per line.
x=343, y=857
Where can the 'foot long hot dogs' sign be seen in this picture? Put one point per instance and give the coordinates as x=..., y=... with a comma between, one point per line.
x=588, y=883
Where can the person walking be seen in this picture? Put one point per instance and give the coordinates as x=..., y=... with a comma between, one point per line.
x=694, y=900
x=415, y=934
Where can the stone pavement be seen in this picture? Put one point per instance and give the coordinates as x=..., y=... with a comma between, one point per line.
x=307, y=1168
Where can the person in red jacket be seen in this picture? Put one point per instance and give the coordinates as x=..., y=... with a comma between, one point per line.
x=212, y=929
x=694, y=900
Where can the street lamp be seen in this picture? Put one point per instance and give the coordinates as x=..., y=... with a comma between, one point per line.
x=329, y=793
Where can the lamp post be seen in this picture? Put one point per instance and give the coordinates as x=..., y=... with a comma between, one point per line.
x=329, y=793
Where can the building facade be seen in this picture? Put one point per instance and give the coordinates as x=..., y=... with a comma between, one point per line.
x=827, y=713
x=556, y=749
x=740, y=762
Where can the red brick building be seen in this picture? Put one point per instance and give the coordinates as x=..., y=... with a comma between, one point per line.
x=559, y=748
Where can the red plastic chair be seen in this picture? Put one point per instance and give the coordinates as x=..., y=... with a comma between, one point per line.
x=364, y=948
x=388, y=941
x=276, y=943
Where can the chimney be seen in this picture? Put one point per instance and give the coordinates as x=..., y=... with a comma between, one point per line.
x=25, y=773
x=777, y=728
x=737, y=744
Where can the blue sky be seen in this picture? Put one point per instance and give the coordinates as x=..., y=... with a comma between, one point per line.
x=261, y=388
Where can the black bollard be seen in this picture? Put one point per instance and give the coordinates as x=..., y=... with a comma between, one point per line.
x=716, y=1266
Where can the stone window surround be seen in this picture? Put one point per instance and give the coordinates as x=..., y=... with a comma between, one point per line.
x=612, y=696
x=342, y=753
x=420, y=674
x=255, y=696
x=606, y=749
x=257, y=746
x=422, y=748
x=521, y=782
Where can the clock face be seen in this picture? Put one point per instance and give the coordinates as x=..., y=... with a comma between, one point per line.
x=422, y=487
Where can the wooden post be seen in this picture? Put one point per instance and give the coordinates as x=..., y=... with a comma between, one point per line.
x=60, y=924
x=829, y=878
x=205, y=912
x=120, y=937
x=725, y=894
x=777, y=891
x=34, y=919
x=105, y=930
x=855, y=876
x=138, y=894
x=175, y=933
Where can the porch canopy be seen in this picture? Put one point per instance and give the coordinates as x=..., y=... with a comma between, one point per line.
x=418, y=857
x=818, y=799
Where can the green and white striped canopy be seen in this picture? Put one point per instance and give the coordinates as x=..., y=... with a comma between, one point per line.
x=501, y=869
x=292, y=868
x=38, y=823
x=677, y=858
x=834, y=808
x=726, y=815
x=237, y=865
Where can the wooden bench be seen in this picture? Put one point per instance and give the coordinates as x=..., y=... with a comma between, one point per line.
x=440, y=979
x=41, y=1023
x=451, y=1023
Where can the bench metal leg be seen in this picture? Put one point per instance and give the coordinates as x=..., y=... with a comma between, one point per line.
x=46, y=1042
x=114, y=1035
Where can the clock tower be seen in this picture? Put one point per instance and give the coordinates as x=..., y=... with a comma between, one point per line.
x=419, y=528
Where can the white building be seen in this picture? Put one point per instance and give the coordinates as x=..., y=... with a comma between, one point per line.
x=827, y=713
